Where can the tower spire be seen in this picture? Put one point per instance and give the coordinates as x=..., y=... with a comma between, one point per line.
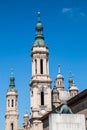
x=11, y=116
x=12, y=83
x=38, y=16
x=39, y=38
x=59, y=73
x=59, y=69
x=39, y=26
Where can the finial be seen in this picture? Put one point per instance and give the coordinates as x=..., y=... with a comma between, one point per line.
x=71, y=79
x=12, y=73
x=39, y=38
x=38, y=16
x=12, y=83
x=59, y=69
x=70, y=73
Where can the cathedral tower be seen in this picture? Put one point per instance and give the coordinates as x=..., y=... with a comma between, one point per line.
x=26, y=124
x=73, y=90
x=40, y=84
x=59, y=82
x=11, y=115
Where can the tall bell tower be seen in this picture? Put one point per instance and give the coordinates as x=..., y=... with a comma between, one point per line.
x=11, y=116
x=40, y=84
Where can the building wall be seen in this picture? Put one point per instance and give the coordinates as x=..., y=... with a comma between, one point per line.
x=81, y=108
x=78, y=105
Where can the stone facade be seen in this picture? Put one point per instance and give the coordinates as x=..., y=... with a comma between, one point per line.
x=66, y=122
x=40, y=84
x=11, y=115
x=78, y=105
x=43, y=100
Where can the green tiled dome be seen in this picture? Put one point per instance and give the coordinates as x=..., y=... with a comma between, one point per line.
x=12, y=83
x=39, y=38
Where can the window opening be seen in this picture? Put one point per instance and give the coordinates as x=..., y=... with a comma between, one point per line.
x=42, y=98
x=41, y=66
x=35, y=66
x=11, y=126
x=12, y=103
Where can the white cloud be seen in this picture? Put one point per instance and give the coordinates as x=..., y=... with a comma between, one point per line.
x=66, y=10
x=73, y=12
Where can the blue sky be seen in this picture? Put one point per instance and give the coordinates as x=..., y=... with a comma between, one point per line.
x=65, y=31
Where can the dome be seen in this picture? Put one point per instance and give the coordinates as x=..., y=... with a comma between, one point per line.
x=73, y=87
x=39, y=26
x=59, y=76
x=12, y=83
x=70, y=79
x=59, y=73
x=63, y=95
x=26, y=115
x=39, y=37
x=39, y=42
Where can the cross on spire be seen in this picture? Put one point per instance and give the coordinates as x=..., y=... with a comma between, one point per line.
x=59, y=69
x=38, y=16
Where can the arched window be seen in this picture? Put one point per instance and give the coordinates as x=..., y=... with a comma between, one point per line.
x=12, y=103
x=11, y=126
x=41, y=66
x=35, y=66
x=16, y=103
x=59, y=82
x=42, y=98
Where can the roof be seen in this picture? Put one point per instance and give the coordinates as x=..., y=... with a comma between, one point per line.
x=74, y=100
x=39, y=38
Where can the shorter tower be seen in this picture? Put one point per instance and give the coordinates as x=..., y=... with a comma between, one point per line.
x=59, y=82
x=59, y=93
x=26, y=124
x=73, y=90
x=11, y=116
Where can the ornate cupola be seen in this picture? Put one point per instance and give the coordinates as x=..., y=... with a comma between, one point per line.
x=11, y=115
x=39, y=38
x=40, y=64
x=73, y=90
x=12, y=83
x=40, y=84
x=59, y=82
